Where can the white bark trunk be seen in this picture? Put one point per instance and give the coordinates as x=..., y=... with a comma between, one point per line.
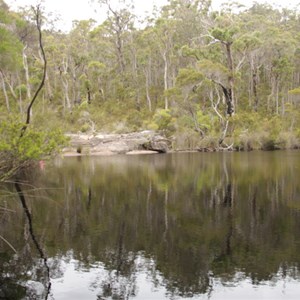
x=147, y=91
x=25, y=65
x=166, y=78
x=5, y=92
x=65, y=83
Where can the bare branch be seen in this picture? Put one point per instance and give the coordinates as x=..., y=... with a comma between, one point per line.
x=239, y=65
x=38, y=19
x=224, y=133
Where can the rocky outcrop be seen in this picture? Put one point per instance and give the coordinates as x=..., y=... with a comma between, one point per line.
x=109, y=144
x=158, y=144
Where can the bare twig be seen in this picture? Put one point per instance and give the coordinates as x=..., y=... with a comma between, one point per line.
x=8, y=243
x=6, y=209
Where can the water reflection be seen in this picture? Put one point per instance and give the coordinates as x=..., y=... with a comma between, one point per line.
x=35, y=288
x=177, y=225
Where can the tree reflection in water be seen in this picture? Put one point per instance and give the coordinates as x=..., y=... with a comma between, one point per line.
x=44, y=276
x=195, y=219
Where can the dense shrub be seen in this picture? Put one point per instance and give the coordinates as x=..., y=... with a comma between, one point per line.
x=17, y=152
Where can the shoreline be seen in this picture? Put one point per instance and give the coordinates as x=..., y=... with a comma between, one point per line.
x=135, y=143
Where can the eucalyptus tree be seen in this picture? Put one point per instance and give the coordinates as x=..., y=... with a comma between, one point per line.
x=147, y=57
x=120, y=19
x=78, y=61
x=152, y=76
x=117, y=32
x=165, y=31
x=178, y=25
x=21, y=142
x=198, y=66
x=280, y=68
x=276, y=52
x=224, y=33
x=102, y=64
x=58, y=80
x=252, y=45
x=10, y=54
x=218, y=61
x=31, y=55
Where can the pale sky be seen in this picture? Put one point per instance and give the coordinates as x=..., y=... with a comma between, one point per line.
x=70, y=10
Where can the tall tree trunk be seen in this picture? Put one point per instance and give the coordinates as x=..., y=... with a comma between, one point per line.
x=277, y=97
x=166, y=69
x=7, y=82
x=65, y=83
x=5, y=92
x=147, y=90
x=67, y=101
x=89, y=95
x=25, y=65
x=273, y=93
x=136, y=78
x=20, y=102
x=224, y=133
x=215, y=105
x=119, y=45
x=49, y=88
x=229, y=92
x=282, y=106
x=254, y=82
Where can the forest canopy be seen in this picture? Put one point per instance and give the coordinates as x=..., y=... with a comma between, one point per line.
x=207, y=79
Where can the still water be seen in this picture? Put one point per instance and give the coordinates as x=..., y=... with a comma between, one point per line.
x=198, y=225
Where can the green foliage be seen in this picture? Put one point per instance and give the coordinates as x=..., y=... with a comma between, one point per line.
x=254, y=131
x=16, y=151
x=224, y=35
x=245, y=121
x=21, y=89
x=163, y=120
x=96, y=65
x=10, y=49
x=248, y=41
x=134, y=120
x=295, y=91
x=188, y=76
x=282, y=65
x=33, y=145
x=186, y=51
x=85, y=127
x=214, y=69
x=204, y=120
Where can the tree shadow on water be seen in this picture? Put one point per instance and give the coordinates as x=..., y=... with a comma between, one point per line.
x=35, y=289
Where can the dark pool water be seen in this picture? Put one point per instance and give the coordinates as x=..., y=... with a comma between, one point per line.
x=174, y=226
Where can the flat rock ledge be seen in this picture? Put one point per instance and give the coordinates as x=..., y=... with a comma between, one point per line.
x=145, y=142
